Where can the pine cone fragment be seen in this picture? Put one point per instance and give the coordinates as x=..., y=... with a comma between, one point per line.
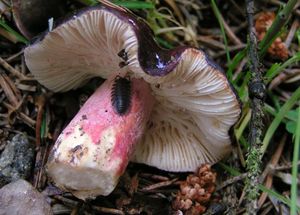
x=262, y=24
x=196, y=191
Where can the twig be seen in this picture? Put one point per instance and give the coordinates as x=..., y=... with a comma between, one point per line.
x=230, y=33
x=10, y=95
x=286, y=76
x=257, y=93
x=12, y=70
x=267, y=209
x=40, y=103
x=22, y=115
x=285, y=167
x=237, y=7
x=67, y=202
x=279, y=3
x=107, y=210
x=155, y=177
x=39, y=167
x=291, y=33
x=210, y=42
x=269, y=177
x=230, y=49
x=159, y=185
x=14, y=56
x=231, y=181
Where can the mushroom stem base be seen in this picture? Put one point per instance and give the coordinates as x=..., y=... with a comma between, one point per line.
x=94, y=149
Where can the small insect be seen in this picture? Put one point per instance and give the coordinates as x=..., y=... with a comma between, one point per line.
x=121, y=94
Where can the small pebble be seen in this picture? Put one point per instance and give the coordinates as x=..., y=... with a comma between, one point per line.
x=16, y=160
x=20, y=197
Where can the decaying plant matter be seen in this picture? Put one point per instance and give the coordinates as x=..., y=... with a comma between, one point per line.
x=263, y=22
x=196, y=192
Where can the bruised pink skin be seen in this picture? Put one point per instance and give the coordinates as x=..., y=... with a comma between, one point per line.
x=98, y=139
x=98, y=113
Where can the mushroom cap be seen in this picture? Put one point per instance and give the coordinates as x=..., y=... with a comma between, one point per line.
x=195, y=104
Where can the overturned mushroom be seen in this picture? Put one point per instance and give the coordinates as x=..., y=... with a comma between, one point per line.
x=194, y=103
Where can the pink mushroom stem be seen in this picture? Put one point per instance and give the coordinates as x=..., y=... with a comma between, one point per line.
x=93, y=151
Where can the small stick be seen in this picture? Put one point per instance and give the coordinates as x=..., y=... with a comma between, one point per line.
x=12, y=70
x=230, y=49
x=291, y=33
x=14, y=56
x=257, y=94
x=286, y=167
x=23, y=116
x=13, y=87
x=238, y=9
x=40, y=103
x=159, y=185
x=208, y=41
x=67, y=202
x=269, y=177
x=8, y=91
x=108, y=210
x=231, y=181
x=155, y=177
x=230, y=33
x=279, y=3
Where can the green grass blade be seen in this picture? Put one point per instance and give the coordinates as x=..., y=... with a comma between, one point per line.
x=277, y=120
x=263, y=47
x=127, y=4
x=18, y=36
x=135, y=4
x=295, y=168
x=164, y=43
x=243, y=90
x=235, y=61
x=276, y=195
x=43, y=127
x=244, y=142
x=232, y=171
x=219, y=18
x=274, y=98
x=239, y=131
x=277, y=68
x=298, y=36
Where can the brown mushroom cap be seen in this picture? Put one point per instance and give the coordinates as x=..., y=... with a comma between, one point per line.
x=195, y=104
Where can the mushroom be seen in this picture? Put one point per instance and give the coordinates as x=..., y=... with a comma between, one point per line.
x=194, y=108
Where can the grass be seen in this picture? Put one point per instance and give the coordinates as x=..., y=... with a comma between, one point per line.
x=279, y=117
x=219, y=18
x=279, y=197
x=134, y=5
x=276, y=68
x=18, y=36
x=294, y=194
